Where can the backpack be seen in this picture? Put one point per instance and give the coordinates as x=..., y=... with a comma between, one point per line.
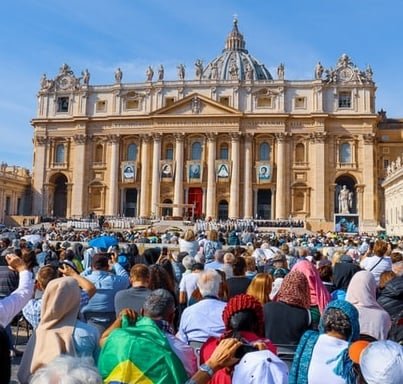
x=396, y=330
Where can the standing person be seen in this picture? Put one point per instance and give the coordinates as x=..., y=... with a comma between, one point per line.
x=211, y=245
x=377, y=262
x=189, y=243
x=374, y=320
x=323, y=356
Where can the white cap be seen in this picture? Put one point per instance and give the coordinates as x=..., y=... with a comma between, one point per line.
x=382, y=362
x=260, y=367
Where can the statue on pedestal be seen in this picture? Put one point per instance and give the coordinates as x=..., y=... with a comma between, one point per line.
x=345, y=199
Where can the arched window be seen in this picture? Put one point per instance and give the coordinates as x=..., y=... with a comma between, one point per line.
x=224, y=151
x=132, y=152
x=345, y=153
x=59, y=158
x=196, y=151
x=264, y=152
x=99, y=153
x=300, y=153
x=169, y=152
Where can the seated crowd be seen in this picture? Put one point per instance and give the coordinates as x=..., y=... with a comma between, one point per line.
x=247, y=310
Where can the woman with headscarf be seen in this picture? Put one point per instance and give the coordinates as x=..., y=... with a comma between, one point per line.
x=59, y=331
x=319, y=295
x=361, y=292
x=243, y=320
x=323, y=356
x=287, y=318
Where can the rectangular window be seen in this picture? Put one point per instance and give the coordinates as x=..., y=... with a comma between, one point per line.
x=101, y=106
x=300, y=102
x=63, y=104
x=132, y=104
x=169, y=154
x=169, y=101
x=224, y=100
x=345, y=100
x=264, y=102
x=385, y=163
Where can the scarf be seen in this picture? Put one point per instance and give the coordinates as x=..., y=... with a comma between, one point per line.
x=295, y=290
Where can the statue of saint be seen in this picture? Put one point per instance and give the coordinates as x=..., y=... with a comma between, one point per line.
x=181, y=71
x=118, y=75
x=149, y=73
x=345, y=200
x=214, y=71
x=161, y=73
x=280, y=71
x=248, y=72
x=86, y=77
x=198, y=69
x=318, y=71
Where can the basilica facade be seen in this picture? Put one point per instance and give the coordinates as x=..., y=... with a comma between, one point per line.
x=228, y=140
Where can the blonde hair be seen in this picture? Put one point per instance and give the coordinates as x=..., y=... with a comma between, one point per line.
x=260, y=287
x=250, y=263
x=229, y=258
x=189, y=235
x=336, y=257
x=212, y=235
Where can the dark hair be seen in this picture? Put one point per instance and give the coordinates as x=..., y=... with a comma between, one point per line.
x=243, y=321
x=239, y=266
x=100, y=261
x=336, y=320
x=159, y=278
x=326, y=273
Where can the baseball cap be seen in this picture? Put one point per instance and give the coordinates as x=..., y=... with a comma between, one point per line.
x=260, y=367
x=382, y=362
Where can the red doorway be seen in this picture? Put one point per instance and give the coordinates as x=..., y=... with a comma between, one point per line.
x=195, y=195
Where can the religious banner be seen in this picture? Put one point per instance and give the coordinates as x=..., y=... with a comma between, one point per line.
x=346, y=223
x=263, y=172
x=128, y=171
x=194, y=171
x=167, y=170
x=222, y=170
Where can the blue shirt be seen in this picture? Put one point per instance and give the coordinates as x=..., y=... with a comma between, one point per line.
x=107, y=284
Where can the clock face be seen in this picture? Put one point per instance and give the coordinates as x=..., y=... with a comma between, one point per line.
x=345, y=74
x=64, y=82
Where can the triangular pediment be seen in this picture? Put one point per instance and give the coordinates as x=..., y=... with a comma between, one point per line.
x=196, y=105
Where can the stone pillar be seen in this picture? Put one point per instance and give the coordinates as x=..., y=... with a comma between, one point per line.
x=79, y=175
x=69, y=187
x=211, y=179
x=255, y=203
x=155, y=186
x=179, y=166
x=281, y=182
x=319, y=198
x=41, y=160
x=234, y=186
x=368, y=167
x=112, y=206
x=144, y=186
x=247, y=186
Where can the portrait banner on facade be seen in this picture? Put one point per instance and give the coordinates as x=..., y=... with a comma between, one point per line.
x=194, y=171
x=128, y=171
x=167, y=170
x=222, y=170
x=263, y=172
x=346, y=223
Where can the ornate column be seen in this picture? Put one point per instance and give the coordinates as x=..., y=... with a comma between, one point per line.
x=155, y=185
x=247, y=186
x=69, y=199
x=318, y=159
x=368, y=169
x=112, y=205
x=144, y=185
x=234, y=186
x=211, y=180
x=79, y=174
x=359, y=189
x=41, y=159
x=179, y=166
x=281, y=172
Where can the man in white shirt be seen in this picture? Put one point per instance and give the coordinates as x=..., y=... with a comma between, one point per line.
x=203, y=319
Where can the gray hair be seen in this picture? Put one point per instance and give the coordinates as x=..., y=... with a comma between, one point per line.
x=188, y=262
x=65, y=369
x=159, y=304
x=209, y=282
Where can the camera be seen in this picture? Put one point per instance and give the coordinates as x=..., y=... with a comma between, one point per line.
x=243, y=349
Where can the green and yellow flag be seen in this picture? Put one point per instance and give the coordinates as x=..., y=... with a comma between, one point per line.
x=139, y=354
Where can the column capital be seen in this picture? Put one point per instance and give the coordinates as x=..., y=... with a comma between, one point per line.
x=248, y=136
x=145, y=138
x=179, y=136
x=211, y=137
x=281, y=136
x=113, y=139
x=318, y=137
x=235, y=136
x=369, y=138
x=80, y=139
x=41, y=140
x=156, y=137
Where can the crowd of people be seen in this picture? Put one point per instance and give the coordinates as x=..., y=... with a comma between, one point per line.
x=226, y=304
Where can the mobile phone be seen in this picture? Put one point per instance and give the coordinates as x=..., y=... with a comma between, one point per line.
x=244, y=349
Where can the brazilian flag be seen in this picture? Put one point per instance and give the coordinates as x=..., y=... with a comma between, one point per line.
x=139, y=354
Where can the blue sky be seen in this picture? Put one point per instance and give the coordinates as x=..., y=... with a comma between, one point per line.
x=38, y=36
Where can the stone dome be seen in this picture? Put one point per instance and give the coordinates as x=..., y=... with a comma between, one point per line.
x=235, y=62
